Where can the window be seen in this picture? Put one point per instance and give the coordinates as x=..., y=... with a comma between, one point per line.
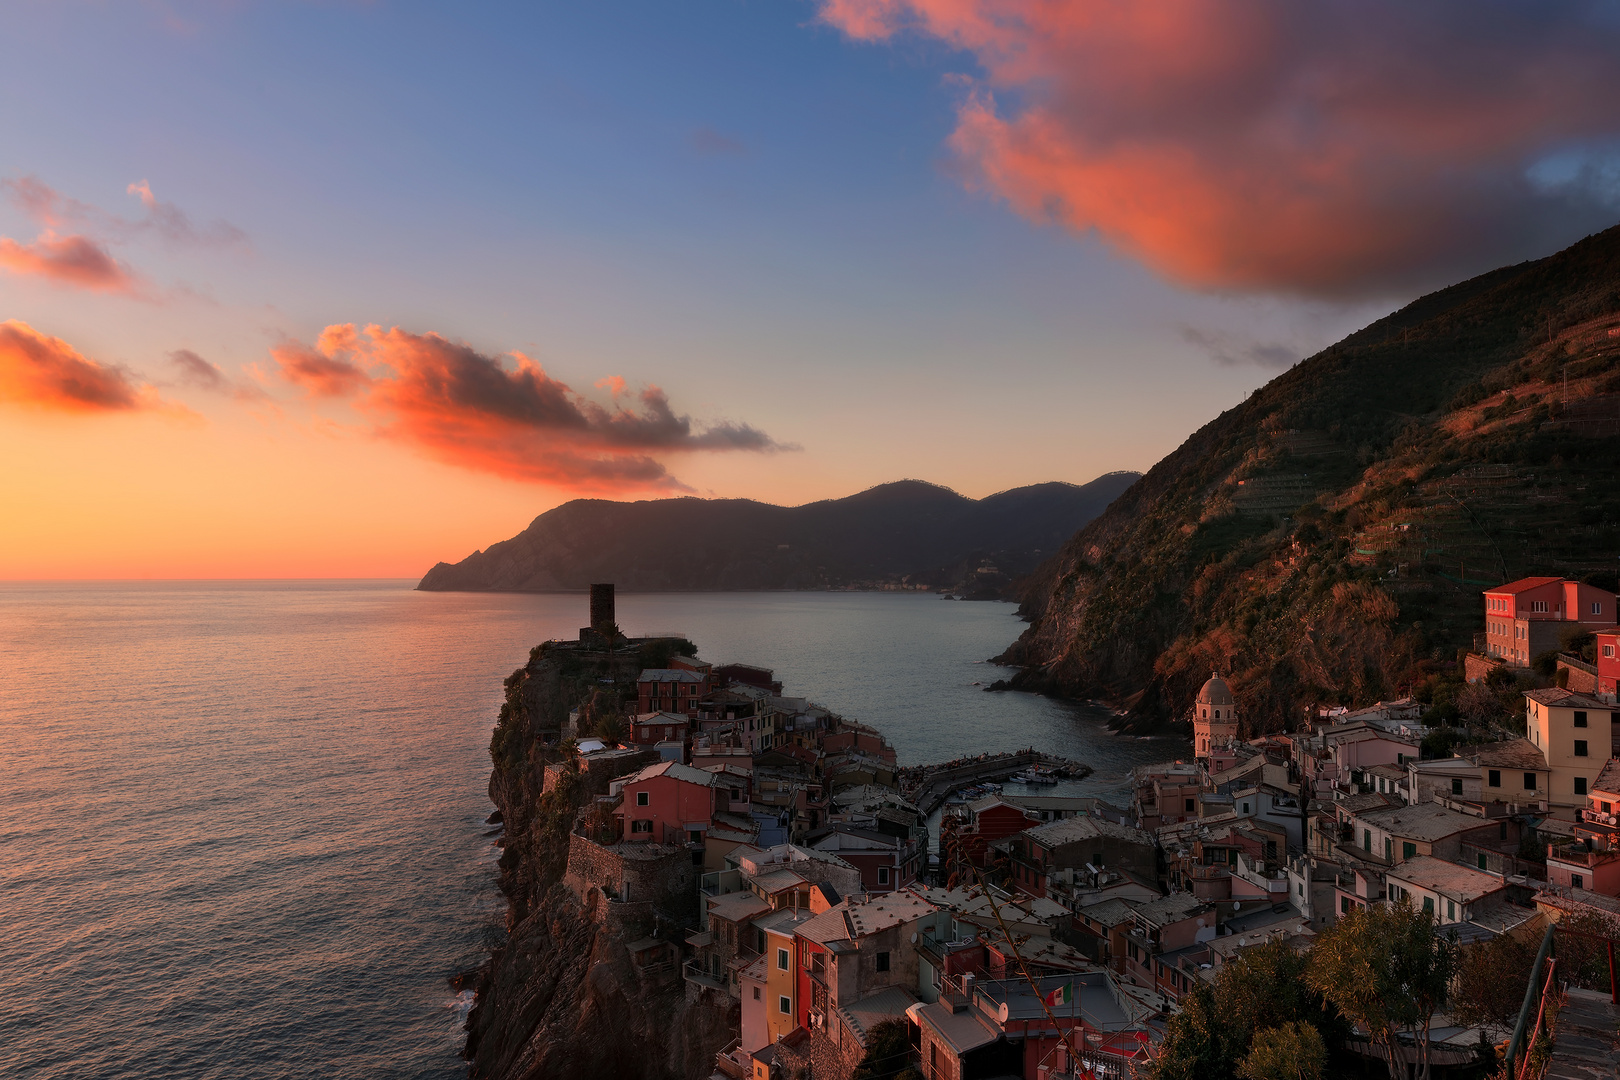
x=883, y=961
x=783, y=1005
x=1408, y=850
x=1217, y=714
x=1344, y=905
x=1576, y=881
x=1428, y=906
x=1245, y=808
x=1482, y=860
x=756, y=993
x=1608, y=650
x=1389, y=850
x=1189, y=806
x=643, y=798
x=1580, y=785
x=641, y=825
x=1366, y=839
x=1529, y=781
x=1494, y=778
x=1451, y=910
x=695, y=835
x=1538, y=605
x=781, y=959
x=1597, y=607
x=1580, y=748
x=1580, y=719
x=1607, y=808
x=1456, y=785
x=883, y=875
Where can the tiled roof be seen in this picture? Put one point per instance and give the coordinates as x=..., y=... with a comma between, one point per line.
x=1072, y=829
x=1565, y=699
x=668, y=675
x=1518, y=753
x=1425, y=821
x=1609, y=779
x=1524, y=584
x=1461, y=883
x=675, y=771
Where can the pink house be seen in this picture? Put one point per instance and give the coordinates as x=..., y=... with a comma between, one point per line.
x=667, y=803
x=1523, y=618
x=1607, y=649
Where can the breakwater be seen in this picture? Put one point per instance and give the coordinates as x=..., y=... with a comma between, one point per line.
x=928, y=786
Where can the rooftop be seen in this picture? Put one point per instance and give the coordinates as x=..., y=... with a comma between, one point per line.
x=1524, y=585
x=1609, y=779
x=961, y=1031
x=1565, y=699
x=1169, y=909
x=737, y=907
x=1073, y=829
x=1461, y=883
x=663, y=675
x=675, y=771
x=1518, y=753
x=1425, y=821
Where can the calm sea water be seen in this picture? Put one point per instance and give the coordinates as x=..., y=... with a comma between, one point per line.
x=241, y=824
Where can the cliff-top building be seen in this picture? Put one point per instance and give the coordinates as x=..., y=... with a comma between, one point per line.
x=1524, y=618
x=1215, y=719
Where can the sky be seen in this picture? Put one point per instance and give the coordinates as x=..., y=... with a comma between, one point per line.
x=308, y=289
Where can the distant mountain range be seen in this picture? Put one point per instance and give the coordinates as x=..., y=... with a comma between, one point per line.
x=1328, y=539
x=906, y=532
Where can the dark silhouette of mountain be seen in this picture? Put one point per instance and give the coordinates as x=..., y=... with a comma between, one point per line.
x=1328, y=539
x=923, y=533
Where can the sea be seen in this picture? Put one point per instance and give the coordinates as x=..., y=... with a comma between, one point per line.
x=242, y=824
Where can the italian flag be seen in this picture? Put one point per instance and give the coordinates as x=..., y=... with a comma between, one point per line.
x=1063, y=995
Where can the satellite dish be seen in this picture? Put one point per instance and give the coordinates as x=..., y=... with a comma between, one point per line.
x=1236, y=904
x=914, y=937
x=1001, y=1013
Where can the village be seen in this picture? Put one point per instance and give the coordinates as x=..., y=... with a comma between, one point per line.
x=771, y=856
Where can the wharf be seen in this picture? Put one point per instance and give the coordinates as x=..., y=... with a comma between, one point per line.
x=936, y=783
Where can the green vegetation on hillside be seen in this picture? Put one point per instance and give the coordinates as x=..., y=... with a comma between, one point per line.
x=1326, y=542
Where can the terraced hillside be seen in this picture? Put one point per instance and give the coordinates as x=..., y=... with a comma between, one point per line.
x=1327, y=540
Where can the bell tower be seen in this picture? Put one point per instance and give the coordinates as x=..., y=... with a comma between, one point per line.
x=1215, y=719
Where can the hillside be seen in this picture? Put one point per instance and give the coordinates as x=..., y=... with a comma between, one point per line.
x=925, y=534
x=1326, y=541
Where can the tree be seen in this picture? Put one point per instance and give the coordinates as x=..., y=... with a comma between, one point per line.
x=1294, y=1051
x=609, y=727
x=1263, y=988
x=888, y=1052
x=1387, y=968
x=1489, y=987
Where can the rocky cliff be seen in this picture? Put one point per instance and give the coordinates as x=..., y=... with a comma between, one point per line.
x=1326, y=541
x=563, y=997
x=906, y=530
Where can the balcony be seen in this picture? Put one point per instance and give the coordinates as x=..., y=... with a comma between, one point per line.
x=733, y=1063
x=693, y=972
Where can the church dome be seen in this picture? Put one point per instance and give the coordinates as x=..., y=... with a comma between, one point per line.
x=1215, y=692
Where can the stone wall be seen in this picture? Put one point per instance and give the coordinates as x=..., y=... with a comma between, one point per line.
x=661, y=875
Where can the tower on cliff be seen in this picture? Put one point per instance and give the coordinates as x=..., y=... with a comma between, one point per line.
x=1215, y=719
x=604, y=628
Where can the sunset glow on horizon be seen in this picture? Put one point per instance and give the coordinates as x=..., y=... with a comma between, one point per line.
x=346, y=290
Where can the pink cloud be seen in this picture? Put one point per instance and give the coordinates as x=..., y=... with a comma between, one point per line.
x=46, y=372
x=1264, y=144
x=504, y=416
x=68, y=260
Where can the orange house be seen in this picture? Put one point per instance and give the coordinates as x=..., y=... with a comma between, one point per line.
x=1524, y=618
x=667, y=803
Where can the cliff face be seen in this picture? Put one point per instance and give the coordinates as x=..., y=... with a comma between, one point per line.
x=563, y=998
x=1327, y=540
x=926, y=532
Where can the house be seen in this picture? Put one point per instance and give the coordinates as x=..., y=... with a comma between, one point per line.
x=650, y=729
x=1606, y=649
x=1076, y=842
x=852, y=952
x=1444, y=890
x=1166, y=925
x=886, y=862
x=1339, y=757
x=984, y=821
x=774, y=1005
x=1575, y=733
x=669, y=803
x=1167, y=793
x=1395, y=834
x=1603, y=798
x=1492, y=776
x=676, y=690
x=1590, y=861
x=1524, y=618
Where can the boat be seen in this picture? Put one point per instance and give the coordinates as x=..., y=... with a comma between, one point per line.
x=1035, y=775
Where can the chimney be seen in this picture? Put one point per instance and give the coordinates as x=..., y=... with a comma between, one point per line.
x=602, y=617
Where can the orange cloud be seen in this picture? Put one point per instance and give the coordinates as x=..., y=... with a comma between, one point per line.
x=68, y=260
x=510, y=419
x=1279, y=144
x=48, y=373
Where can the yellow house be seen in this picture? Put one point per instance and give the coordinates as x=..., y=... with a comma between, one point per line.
x=1574, y=732
x=781, y=989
